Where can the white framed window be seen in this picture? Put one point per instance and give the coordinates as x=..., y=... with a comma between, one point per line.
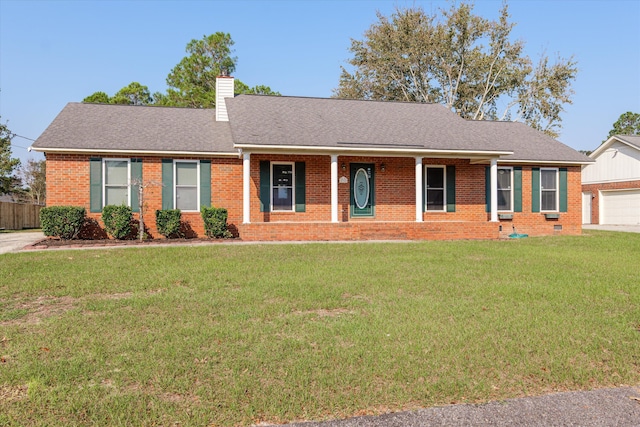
x=186, y=189
x=435, y=188
x=282, y=186
x=549, y=194
x=115, y=182
x=505, y=189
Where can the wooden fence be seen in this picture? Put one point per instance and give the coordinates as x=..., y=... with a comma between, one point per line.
x=16, y=216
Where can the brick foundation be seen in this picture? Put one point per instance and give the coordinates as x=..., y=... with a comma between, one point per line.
x=325, y=231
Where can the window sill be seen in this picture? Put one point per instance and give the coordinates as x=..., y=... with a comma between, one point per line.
x=552, y=216
x=505, y=216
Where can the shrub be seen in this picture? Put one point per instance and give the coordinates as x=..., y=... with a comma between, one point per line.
x=117, y=220
x=64, y=222
x=215, y=222
x=168, y=222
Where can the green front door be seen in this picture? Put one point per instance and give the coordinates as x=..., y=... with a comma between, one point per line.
x=362, y=189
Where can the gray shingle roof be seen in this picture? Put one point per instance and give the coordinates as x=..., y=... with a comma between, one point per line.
x=295, y=122
x=136, y=128
x=341, y=123
x=630, y=139
x=529, y=144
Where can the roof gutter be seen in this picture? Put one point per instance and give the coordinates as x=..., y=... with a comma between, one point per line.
x=137, y=152
x=534, y=162
x=545, y=162
x=376, y=151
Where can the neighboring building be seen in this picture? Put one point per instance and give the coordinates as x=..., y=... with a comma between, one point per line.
x=611, y=185
x=290, y=168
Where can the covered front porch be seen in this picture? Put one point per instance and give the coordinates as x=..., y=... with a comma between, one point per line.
x=431, y=195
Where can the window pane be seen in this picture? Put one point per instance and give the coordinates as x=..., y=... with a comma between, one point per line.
x=116, y=196
x=282, y=199
x=283, y=175
x=186, y=174
x=435, y=177
x=187, y=198
x=504, y=200
x=548, y=179
x=435, y=200
x=504, y=179
x=549, y=201
x=116, y=172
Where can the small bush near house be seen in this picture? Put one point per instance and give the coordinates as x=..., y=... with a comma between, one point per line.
x=117, y=220
x=64, y=222
x=168, y=222
x=215, y=222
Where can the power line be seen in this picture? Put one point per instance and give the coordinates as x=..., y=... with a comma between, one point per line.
x=19, y=146
x=23, y=137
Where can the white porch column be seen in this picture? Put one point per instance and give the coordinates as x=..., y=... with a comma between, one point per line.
x=246, y=188
x=494, y=190
x=419, y=201
x=334, y=188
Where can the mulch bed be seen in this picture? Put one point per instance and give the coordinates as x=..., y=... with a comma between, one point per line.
x=54, y=243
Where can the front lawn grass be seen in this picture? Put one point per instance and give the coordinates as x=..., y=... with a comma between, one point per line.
x=234, y=335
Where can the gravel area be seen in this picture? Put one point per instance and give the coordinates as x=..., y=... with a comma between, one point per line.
x=605, y=407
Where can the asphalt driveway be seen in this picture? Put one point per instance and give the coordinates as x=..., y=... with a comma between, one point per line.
x=598, y=408
x=14, y=242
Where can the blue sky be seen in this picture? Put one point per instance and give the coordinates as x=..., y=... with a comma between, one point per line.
x=55, y=52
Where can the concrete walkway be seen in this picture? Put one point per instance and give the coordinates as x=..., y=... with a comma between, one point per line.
x=623, y=228
x=14, y=242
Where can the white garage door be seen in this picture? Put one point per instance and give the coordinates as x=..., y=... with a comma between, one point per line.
x=620, y=207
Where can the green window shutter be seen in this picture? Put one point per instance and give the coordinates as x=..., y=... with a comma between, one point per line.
x=451, y=188
x=265, y=186
x=167, y=183
x=535, y=189
x=563, y=190
x=300, y=187
x=95, y=184
x=517, y=189
x=487, y=187
x=136, y=180
x=205, y=183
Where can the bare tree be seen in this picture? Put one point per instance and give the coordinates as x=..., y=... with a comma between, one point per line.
x=33, y=175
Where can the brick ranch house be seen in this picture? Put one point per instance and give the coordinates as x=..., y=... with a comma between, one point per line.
x=292, y=168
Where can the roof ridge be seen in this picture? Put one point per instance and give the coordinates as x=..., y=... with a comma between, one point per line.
x=139, y=106
x=320, y=98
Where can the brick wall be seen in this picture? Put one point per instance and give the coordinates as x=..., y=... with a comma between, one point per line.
x=595, y=189
x=535, y=223
x=68, y=184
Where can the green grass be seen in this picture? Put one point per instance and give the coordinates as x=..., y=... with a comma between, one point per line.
x=234, y=335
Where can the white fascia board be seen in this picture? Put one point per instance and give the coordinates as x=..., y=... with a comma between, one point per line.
x=136, y=152
x=604, y=146
x=608, y=143
x=372, y=151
